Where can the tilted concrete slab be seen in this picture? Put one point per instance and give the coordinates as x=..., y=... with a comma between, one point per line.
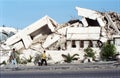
x=50, y=40
x=88, y=13
x=84, y=21
x=26, y=35
x=94, y=15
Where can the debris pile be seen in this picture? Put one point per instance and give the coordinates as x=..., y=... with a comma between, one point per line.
x=92, y=30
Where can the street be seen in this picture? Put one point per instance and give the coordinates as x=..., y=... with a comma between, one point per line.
x=109, y=73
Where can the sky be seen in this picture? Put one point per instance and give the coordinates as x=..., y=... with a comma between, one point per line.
x=21, y=13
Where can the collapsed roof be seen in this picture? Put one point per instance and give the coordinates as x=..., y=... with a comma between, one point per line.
x=93, y=26
x=110, y=20
x=48, y=34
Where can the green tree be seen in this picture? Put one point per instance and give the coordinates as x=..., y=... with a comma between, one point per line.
x=107, y=51
x=89, y=52
x=68, y=58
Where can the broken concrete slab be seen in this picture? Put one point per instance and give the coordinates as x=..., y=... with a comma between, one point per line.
x=88, y=13
x=46, y=25
x=50, y=40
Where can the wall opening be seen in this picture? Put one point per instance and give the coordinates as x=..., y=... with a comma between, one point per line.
x=81, y=44
x=43, y=30
x=90, y=43
x=73, y=44
x=92, y=22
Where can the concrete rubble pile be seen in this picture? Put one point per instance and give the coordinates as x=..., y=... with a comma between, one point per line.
x=72, y=37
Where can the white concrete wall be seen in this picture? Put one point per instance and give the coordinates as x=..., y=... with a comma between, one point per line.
x=86, y=43
x=57, y=55
x=69, y=44
x=94, y=44
x=83, y=33
x=77, y=44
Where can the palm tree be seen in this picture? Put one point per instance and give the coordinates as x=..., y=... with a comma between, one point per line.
x=68, y=58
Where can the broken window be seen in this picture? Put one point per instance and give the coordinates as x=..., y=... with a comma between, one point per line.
x=92, y=22
x=81, y=44
x=73, y=44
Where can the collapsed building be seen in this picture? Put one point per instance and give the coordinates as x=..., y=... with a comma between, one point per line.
x=92, y=30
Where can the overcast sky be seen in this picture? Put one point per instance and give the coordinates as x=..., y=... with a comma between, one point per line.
x=21, y=13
